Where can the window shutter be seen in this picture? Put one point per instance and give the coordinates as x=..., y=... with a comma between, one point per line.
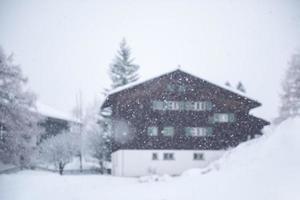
x=209, y=131
x=211, y=119
x=231, y=117
x=216, y=117
x=187, y=131
x=208, y=105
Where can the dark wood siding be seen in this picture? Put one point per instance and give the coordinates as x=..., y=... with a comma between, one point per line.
x=134, y=105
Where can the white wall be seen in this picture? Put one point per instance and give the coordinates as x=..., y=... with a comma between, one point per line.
x=140, y=163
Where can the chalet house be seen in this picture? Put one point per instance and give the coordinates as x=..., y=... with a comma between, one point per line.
x=174, y=122
x=55, y=122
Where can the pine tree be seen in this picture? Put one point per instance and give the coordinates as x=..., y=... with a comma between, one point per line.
x=241, y=87
x=123, y=71
x=227, y=83
x=18, y=121
x=290, y=98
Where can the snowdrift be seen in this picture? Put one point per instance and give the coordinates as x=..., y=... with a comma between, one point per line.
x=276, y=151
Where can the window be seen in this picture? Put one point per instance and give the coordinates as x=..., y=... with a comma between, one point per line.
x=198, y=131
x=189, y=105
x=107, y=111
x=154, y=156
x=171, y=105
x=198, y=156
x=202, y=105
x=181, y=88
x=152, y=131
x=168, y=105
x=168, y=156
x=158, y=105
x=182, y=105
x=176, y=88
x=168, y=131
x=171, y=88
x=223, y=117
x=174, y=105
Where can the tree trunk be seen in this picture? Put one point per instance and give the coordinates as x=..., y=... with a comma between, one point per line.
x=101, y=167
x=61, y=168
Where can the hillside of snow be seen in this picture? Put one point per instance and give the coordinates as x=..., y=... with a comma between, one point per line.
x=265, y=168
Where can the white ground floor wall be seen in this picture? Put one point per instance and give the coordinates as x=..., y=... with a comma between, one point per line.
x=141, y=163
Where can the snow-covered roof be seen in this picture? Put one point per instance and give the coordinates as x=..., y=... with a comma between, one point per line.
x=49, y=111
x=140, y=81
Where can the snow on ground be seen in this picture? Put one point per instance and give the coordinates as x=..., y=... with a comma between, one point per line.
x=87, y=164
x=264, y=168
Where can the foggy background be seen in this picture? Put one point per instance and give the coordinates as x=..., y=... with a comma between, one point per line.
x=67, y=46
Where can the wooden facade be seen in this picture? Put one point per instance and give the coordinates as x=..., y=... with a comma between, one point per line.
x=132, y=111
x=54, y=126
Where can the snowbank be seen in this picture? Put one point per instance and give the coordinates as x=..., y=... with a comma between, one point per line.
x=154, y=178
x=278, y=151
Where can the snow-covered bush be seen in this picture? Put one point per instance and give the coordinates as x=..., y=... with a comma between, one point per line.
x=18, y=121
x=59, y=150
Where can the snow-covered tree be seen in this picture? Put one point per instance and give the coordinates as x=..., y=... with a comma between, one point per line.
x=59, y=150
x=18, y=121
x=122, y=70
x=241, y=87
x=290, y=98
x=97, y=142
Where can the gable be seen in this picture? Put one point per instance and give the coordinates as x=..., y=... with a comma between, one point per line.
x=195, y=88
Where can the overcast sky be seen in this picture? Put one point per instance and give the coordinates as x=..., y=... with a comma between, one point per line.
x=66, y=46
